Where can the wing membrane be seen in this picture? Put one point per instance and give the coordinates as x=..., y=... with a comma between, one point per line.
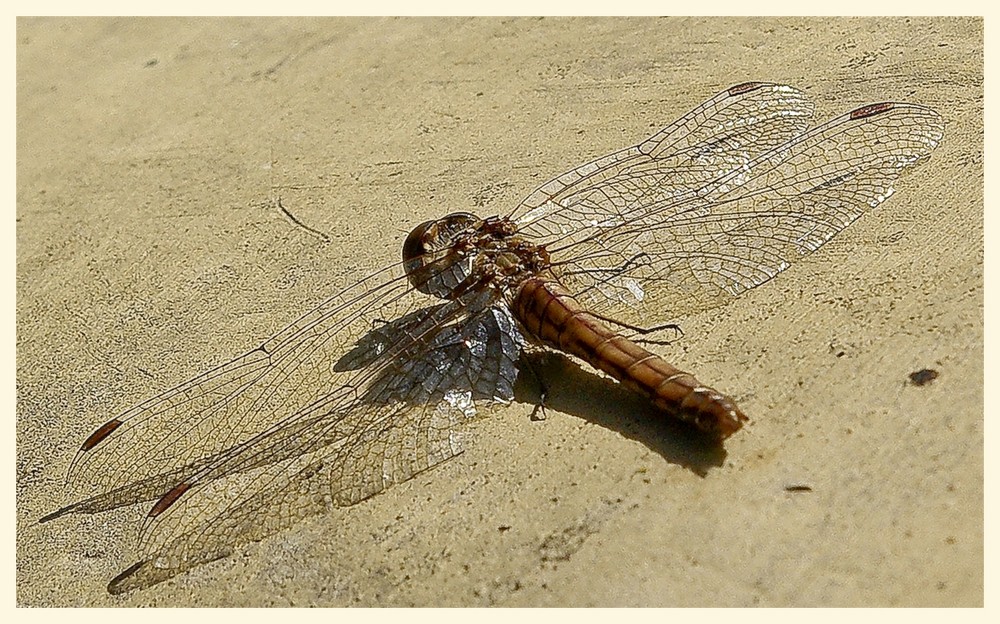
x=718, y=137
x=306, y=389
x=408, y=420
x=248, y=506
x=244, y=397
x=679, y=253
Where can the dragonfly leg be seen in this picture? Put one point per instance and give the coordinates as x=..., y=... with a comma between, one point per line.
x=644, y=330
x=543, y=388
x=671, y=326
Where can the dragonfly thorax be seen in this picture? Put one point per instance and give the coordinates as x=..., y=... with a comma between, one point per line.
x=450, y=256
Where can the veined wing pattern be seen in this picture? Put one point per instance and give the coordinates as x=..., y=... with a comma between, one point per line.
x=373, y=385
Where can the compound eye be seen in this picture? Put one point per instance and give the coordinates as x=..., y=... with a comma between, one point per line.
x=435, y=235
x=414, y=247
x=431, y=265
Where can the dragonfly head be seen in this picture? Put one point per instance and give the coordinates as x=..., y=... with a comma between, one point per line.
x=434, y=255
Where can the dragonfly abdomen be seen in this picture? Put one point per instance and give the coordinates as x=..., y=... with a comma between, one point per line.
x=550, y=313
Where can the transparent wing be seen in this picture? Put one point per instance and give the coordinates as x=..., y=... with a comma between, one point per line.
x=408, y=421
x=648, y=251
x=339, y=385
x=250, y=505
x=718, y=137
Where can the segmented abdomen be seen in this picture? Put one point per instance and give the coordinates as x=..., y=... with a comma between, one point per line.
x=550, y=313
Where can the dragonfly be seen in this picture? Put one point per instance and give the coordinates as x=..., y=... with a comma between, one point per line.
x=376, y=384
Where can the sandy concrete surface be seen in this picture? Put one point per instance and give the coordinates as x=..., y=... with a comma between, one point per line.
x=149, y=248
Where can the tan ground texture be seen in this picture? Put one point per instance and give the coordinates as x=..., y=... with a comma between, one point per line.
x=149, y=248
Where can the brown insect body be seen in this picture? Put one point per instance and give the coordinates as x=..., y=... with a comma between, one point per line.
x=548, y=312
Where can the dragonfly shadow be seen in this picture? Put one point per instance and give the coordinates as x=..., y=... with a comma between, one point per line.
x=579, y=392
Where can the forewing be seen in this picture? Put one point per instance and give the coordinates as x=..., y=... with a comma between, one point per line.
x=689, y=251
x=290, y=395
x=720, y=136
x=182, y=428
